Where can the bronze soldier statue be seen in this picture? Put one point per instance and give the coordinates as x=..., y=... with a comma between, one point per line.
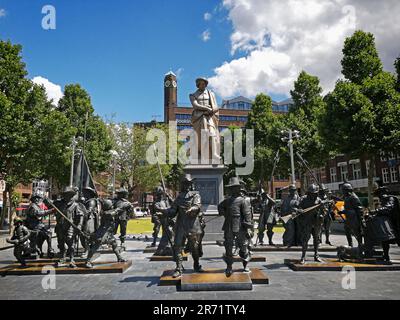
x=91, y=219
x=124, y=212
x=105, y=233
x=39, y=231
x=238, y=225
x=156, y=218
x=20, y=239
x=289, y=206
x=187, y=209
x=309, y=218
x=353, y=211
x=166, y=243
x=267, y=218
x=383, y=225
x=69, y=233
x=324, y=194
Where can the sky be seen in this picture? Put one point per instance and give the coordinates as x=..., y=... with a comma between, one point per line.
x=120, y=50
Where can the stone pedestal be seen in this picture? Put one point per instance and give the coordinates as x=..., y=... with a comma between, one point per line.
x=209, y=182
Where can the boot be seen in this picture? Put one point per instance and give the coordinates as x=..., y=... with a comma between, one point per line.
x=246, y=269
x=197, y=267
x=270, y=235
x=303, y=258
x=317, y=258
x=228, y=270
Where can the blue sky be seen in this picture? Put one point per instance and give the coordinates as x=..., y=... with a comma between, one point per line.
x=120, y=50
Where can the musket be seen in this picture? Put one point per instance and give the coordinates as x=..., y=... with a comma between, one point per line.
x=285, y=219
x=69, y=220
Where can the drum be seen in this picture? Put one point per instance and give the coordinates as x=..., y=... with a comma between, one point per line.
x=379, y=228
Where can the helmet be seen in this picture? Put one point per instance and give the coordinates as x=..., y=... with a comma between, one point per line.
x=313, y=189
x=90, y=190
x=18, y=220
x=159, y=190
x=347, y=187
x=122, y=191
x=107, y=204
x=323, y=187
x=292, y=187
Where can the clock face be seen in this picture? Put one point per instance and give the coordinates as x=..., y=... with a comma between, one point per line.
x=174, y=84
x=167, y=83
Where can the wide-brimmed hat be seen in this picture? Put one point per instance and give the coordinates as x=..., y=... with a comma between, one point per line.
x=234, y=182
x=69, y=190
x=122, y=191
x=187, y=178
x=93, y=191
x=201, y=79
x=381, y=190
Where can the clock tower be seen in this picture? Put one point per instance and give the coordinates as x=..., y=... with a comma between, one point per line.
x=170, y=95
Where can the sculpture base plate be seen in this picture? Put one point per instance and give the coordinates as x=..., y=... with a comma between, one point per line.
x=35, y=268
x=281, y=248
x=150, y=249
x=56, y=258
x=167, y=258
x=215, y=280
x=336, y=265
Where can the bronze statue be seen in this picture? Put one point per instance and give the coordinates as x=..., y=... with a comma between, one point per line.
x=267, y=220
x=105, y=233
x=91, y=219
x=205, y=118
x=124, y=212
x=166, y=243
x=325, y=194
x=353, y=210
x=238, y=225
x=383, y=225
x=309, y=218
x=187, y=209
x=20, y=239
x=39, y=231
x=291, y=236
x=70, y=229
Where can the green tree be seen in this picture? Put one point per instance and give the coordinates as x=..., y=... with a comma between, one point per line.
x=397, y=67
x=267, y=127
x=27, y=120
x=130, y=146
x=362, y=114
x=304, y=116
x=360, y=57
x=77, y=107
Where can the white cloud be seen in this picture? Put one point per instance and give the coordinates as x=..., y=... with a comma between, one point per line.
x=179, y=72
x=53, y=90
x=206, y=35
x=2, y=13
x=207, y=16
x=282, y=37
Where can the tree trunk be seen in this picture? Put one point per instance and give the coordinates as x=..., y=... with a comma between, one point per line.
x=371, y=172
x=11, y=212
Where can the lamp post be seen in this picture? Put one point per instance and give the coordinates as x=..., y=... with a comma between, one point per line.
x=114, y=155
x=289, y=136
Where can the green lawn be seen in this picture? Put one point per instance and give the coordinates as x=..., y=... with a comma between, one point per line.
x=144, y=226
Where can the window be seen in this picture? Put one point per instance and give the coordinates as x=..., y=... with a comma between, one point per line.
x=356, y=168
x=344, y=173
x=391, y=156
x=393, y=174
x=385, y=175
x=383, y=158
x=333, y=175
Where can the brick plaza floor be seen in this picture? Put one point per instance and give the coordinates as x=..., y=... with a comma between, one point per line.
x=141, y=280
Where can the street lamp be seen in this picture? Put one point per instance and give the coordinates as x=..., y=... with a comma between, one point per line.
x=114, y=155
x=289, y=136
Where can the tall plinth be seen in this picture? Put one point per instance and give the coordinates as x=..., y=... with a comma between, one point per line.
x=210, y=183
